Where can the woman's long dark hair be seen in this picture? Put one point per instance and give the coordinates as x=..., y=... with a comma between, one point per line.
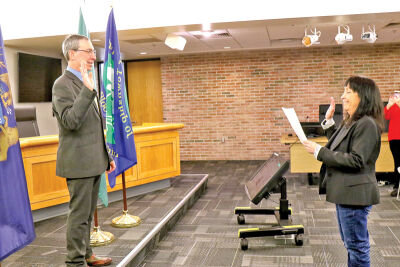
x=370, y=100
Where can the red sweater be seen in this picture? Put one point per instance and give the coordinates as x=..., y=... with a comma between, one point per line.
x=393, y=115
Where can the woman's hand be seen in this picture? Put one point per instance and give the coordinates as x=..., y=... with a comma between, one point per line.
x=391, y=102
x=397, y=100
x=331, y=110
x=309, y=146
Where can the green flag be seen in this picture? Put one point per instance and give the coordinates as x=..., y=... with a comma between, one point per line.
x=82, y=30
x=82, y=26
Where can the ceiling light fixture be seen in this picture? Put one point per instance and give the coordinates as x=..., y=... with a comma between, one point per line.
x=143, y=53
x=369, y=36
x=343, y=37
x=206, y=30
x=206, y=27
x=310, y=39
x=207, y=33
x=175, y=41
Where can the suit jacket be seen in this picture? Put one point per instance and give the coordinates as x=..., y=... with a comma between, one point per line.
x=82, y=151
x=348, y=169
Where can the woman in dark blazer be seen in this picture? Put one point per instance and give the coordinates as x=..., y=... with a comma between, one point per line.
x=348, y=170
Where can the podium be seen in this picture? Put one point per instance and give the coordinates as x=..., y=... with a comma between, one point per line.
x=268, y=179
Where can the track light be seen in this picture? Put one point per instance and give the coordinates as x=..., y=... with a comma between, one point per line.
x=310, y=39
x=343, y=37
x=175, y=41
x=369, y=36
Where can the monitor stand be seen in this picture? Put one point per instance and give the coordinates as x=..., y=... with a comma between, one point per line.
x=284, y=226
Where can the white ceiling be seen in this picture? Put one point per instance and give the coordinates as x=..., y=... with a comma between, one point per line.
x=245, y=35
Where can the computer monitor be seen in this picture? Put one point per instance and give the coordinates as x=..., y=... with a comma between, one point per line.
x=267, y=178
x=312, y=129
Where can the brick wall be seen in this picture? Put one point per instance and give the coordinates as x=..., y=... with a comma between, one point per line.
x=231, y=102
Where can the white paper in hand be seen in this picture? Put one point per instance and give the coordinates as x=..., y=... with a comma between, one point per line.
x=295, y=123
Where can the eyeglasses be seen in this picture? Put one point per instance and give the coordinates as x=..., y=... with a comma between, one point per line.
x=89, y=51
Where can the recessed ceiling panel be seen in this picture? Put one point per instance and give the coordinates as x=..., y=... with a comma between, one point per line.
x=250, y=38
x=285, y=32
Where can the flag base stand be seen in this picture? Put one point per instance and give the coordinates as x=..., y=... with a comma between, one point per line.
x=125, y=220
x=100, y=238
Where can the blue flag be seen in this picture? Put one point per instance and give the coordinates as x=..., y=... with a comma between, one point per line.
x=114, y=106
x=16, y=223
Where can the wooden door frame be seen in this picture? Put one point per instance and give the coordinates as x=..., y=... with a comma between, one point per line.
x=125, y=71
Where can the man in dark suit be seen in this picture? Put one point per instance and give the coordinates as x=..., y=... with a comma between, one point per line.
x=82, y=153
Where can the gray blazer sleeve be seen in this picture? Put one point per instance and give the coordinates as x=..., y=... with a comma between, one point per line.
x=72, y=110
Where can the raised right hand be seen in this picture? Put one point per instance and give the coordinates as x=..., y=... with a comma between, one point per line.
x=331, y=110
x=87, y=77
x=390, y=102
x=397, y=100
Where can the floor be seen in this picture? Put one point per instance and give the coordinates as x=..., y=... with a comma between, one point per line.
x=206, y=235
x=49, y=247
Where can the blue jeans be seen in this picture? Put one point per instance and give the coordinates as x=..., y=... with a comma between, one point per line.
x=353, y=229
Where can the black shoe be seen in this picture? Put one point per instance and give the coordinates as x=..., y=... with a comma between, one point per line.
x=394, y=193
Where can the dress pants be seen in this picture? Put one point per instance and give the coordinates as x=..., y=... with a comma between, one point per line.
x=353, y=230
x=83, y=200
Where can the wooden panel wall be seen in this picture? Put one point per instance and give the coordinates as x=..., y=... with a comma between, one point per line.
x=145, y=91
x=157, y=149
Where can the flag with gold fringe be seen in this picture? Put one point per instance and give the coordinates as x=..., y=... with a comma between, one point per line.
x=114, y=106
x=16, y=223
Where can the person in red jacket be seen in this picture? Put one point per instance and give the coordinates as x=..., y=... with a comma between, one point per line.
x=392, y=114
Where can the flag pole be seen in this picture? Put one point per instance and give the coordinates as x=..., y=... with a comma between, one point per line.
x=125, y=220
x=97, y=237
x=119, y=137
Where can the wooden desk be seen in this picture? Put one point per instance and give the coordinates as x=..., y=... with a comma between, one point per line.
x=157, y=148
x=303, y=162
